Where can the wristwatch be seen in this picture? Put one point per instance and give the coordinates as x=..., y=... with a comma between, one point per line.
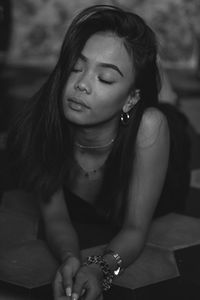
x=118, y=260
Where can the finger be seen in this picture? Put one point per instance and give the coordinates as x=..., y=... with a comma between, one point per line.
x=68, y=271
x=100, y=297
x=82, y=295
x=67, y=279
x=78, y=286
x=58, y=286
x=68, y=291
x=92, y=292
x=92, y=295
x=83, y=292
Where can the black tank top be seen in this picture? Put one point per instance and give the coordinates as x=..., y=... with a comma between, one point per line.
x=92, y=227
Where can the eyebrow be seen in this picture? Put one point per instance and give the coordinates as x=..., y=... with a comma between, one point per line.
x=102, y=64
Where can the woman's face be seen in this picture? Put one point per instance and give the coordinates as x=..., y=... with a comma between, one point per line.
x=99, y=86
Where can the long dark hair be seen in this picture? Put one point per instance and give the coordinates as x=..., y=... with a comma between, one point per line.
x=42, y=141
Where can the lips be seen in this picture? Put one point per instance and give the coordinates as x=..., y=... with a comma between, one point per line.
x=78, y=102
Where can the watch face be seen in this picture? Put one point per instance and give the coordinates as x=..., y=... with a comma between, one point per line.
x=116, y=272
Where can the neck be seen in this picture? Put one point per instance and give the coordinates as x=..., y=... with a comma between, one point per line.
x=94, y=138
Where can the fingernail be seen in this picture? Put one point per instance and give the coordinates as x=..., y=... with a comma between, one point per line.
x=68, y=291
x=74, y=296
x=83, y=292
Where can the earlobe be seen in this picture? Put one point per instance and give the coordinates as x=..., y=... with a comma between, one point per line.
x=132, y=100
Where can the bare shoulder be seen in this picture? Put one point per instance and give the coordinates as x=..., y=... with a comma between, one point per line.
x=153, y=125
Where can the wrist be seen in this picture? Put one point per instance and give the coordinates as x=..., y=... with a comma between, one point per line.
x=96, y=268
x=70, y=254
x=107, y=274
x=111, y=262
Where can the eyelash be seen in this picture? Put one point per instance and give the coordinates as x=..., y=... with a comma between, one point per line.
x=105, y=81
x=76, y=70
x=100, y=79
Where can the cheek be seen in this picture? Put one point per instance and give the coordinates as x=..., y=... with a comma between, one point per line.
x=67, y=87
x=114, y=100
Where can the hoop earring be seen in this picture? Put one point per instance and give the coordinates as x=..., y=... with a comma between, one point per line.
x=124, y=118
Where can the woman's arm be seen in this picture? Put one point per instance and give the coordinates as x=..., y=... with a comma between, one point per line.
x=63, y=240
x=60, y=233
x=149, y=171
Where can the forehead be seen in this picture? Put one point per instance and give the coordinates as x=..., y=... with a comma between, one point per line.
x=108, y=48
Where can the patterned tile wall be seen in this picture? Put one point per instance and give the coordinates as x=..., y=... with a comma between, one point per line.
x=39, y=27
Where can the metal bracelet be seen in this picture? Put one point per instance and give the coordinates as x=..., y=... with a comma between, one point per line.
x=107, y=274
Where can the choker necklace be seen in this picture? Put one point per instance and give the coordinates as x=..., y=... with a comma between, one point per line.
x=95, y=147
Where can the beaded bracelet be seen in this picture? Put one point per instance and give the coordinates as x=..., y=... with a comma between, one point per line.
x=107, y=274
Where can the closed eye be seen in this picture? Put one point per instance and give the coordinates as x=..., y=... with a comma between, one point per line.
x=76, y=70
x=105, y=81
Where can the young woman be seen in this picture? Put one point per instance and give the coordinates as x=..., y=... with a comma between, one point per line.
x=94, y=139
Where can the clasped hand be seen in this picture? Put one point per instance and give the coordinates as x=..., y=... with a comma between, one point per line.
x=74, y=281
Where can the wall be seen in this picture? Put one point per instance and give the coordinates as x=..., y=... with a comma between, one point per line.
x=39, y=27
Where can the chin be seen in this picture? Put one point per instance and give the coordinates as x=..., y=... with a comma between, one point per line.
x=74, y=118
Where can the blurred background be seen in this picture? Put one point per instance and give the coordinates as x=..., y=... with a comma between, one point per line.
x=31, y=33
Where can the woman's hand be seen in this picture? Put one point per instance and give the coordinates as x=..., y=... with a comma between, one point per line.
x=88, y=283
x=63, y=283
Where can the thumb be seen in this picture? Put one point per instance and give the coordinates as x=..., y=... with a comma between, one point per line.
x=68, y=272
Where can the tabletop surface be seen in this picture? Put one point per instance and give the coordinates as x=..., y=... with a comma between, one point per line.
x=27, y=266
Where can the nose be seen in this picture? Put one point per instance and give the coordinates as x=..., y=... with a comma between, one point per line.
x=83, y=84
